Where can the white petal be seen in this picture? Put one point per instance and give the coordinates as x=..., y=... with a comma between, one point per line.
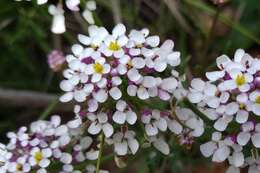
x=121, y=148
x=101, y=96
x=162, y=146
x=94, y=128
x=256, y=109
x=169, y=84
x=131, y=117
x=238, y=159
x=174, y=59
x=138, y=63
x=198, y=84
x=119, y=117
x=88, y=16
x=133, y=145
x=121, y=105
x=242, y=116
x=221, y=154
x=222, y=61
x=208, y=148
x=77, y=49
x=92, y=105
x=149, y=81
x=102, y=117
x=66, y=97
x=133, y=75
x=161, y=124
x=108, y=130
x=132, y=90
x=142, y=93
x=84, y=39
x=80, y=95
x=220, y=124
x=232, y=108
x=159, y=65
x=195, y=97
x=115, y=93
x=215, y=75
x=119, y=30
x=153, y=41
x=66, y=85
x=239, y=55
x=151, y=130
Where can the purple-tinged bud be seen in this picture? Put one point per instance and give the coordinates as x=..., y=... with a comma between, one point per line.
x=55, y=60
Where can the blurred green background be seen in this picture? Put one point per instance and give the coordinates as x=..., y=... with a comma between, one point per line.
x=201, y=29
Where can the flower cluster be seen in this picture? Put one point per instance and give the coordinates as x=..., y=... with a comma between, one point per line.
x=46, y=144
x=121, y=73
x=231, y=99
x=115, y=66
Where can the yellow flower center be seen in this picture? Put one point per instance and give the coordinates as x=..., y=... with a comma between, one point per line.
x=130, y=63
x=257, y=100
x=38, y=156
x=93, y=46
x=242, y=106
x=18, y=167
x=139, y=45
x=98, y=68
x=240, y=80
x=114, y=46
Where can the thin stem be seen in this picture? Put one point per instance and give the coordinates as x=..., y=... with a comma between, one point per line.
x=211, y=33
x=48, y=110
x=197, y=111
x=100, y=152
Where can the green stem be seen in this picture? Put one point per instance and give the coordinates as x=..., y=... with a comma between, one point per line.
x=100, y=152
x=211, y=33
x=224, y=19
x=197, y=111
x=48, y=110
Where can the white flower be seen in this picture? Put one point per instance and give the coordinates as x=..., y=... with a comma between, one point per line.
x=154, y=122
x=58, y=21
x=216, y=148
x=190, y=119
x=125, y=142
x=97, y=69
x=100, y=122
x=113, y=43
x=73, y=4
x=40, y=157
x=160, y=144
x=255, y=102
x=238, y=80
x=201, y=91
x=124, y=113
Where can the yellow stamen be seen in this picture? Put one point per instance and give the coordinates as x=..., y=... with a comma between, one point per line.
x=130, y=63
x=114, y=46
x=139, y=45
x=240, y=80
x=18, y=167
x=38, y=156
x=98, y=68
x=93, y=46
x=242, y=106
x=257, y=100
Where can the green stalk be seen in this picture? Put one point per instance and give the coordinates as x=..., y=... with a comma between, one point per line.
x=48, y=110
x=197, y=111
x=100, y=152
x=223, y=18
